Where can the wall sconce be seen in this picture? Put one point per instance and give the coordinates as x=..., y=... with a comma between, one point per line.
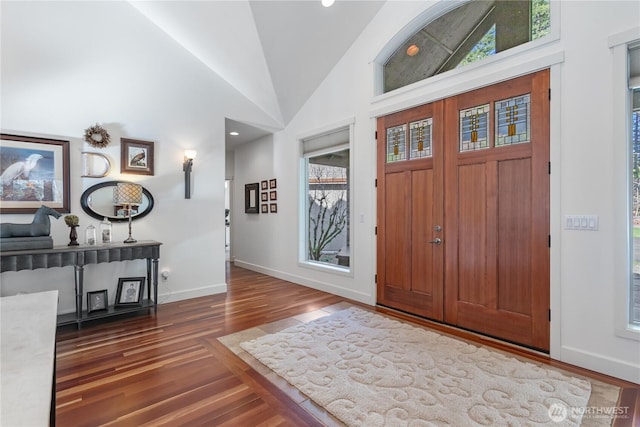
x=189, y=155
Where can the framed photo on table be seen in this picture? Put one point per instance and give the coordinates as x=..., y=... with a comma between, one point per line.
x=97, y=301
x=130, y=291
x=136, y=156
x=35, y=172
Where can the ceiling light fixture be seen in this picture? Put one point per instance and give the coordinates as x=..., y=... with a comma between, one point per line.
x=413, y=50
x=327, y=3
x=234, y=133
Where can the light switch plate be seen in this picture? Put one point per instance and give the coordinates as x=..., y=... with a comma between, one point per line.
x=581, y=222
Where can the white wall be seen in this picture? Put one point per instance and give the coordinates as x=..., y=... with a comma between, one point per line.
x=582, y=271
x=69, y=65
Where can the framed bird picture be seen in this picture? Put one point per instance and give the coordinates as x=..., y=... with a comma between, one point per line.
x=136, y=156
x=34, y=171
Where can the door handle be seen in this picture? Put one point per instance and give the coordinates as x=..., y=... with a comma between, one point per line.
x=436, y=241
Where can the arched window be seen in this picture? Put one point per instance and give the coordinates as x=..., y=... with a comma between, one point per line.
x=466, y=34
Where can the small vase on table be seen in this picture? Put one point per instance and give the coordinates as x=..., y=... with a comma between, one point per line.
x=73, y=236
x=72, y=221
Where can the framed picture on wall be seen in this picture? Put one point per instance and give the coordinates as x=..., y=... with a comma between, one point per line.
x=265, y=208
x=35, y=172
x=264, y=196
x=136, y=156
x=251, y=198
x=264, y=185
x=272, y=183
x=273, y=208
x=273, y=195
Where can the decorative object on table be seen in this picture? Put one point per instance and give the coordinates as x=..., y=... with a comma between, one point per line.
x=35, y=235
x=273, y=208
x=128, y=195
x=90, y=235
x=97, y=136
x=130, y=291
x=187, y=165
x=39, y=226
x=95, y=165
x=97, y=301
x=105, y=230
x=251, y=198
x=72, y=221
x=136, y=156
x=272, y=183
x=33, y=171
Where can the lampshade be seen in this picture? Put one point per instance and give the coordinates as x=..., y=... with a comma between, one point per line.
x=127, y=194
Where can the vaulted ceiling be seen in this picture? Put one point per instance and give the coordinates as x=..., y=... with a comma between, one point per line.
x=276, y=53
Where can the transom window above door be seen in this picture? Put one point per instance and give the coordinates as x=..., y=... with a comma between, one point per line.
x=505, y=122
x=467, y=34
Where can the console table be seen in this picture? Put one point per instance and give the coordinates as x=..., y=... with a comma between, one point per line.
x=78, y=257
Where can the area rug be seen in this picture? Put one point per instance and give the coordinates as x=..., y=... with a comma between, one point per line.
x=369, y=370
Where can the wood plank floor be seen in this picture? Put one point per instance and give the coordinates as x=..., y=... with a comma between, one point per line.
x=170, y=369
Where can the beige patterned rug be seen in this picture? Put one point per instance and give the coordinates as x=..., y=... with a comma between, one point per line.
x=367, y=369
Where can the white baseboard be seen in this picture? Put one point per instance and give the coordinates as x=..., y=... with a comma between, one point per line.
x=192, y=293
x=603, y=364
x=315, y=284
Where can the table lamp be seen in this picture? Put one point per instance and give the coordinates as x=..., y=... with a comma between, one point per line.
x=128, y=194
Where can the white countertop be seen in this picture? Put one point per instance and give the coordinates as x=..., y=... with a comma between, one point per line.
x=27, y=354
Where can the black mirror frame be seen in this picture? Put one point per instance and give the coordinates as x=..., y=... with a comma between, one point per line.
x=251, y=206
x=84, y=202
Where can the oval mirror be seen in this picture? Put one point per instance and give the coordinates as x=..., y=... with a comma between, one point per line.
x=97, y=201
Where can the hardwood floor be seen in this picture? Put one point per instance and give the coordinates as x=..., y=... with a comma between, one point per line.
x=170, y=369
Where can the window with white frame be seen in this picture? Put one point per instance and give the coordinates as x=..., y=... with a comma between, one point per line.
x=326, y=167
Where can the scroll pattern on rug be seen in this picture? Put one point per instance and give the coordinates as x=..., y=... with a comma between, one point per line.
x=369, y=370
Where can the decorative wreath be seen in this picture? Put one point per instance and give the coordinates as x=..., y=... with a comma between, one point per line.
x=97, y=136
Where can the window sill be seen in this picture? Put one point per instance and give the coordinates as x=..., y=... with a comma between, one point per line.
x=630, y=332
x=327, y=268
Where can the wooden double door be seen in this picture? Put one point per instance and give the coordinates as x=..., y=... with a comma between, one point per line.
x=463, y=210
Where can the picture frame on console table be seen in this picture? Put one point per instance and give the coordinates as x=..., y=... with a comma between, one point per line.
x=130, y=291
x=97, y=301
x=35, y=172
